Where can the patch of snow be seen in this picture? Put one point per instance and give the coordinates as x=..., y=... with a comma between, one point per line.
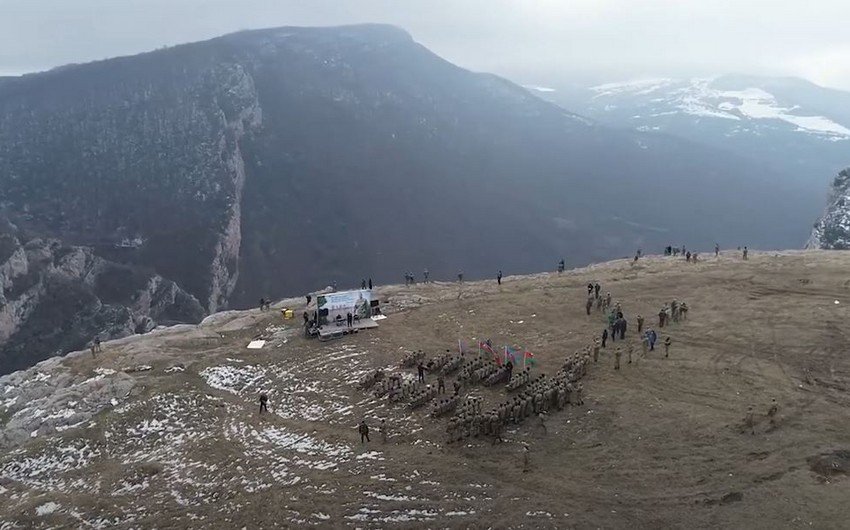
x=371, y=455
x=539, y=88
x=47, y=508
x=638, y=87
x=384, y=497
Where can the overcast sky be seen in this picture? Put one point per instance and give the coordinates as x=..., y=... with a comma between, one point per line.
x=531, y=41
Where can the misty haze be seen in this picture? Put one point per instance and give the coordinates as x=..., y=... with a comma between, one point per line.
x=424, y=264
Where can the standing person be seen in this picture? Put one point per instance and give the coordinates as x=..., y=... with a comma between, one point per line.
x=363, y=284
x=497, y=432
x=561, y=266
x=749, y=420
x=640, y=324
x=460, y=277
x=262, y=304
x=425, y=276
x=383, y=431
x=662, y=316
x=589, y=289
x=630, y=350
x=653, y=337
x=309, y=299
x=589, y=304
x=441, y=384
x=623, y=323
x=746, y=251
x=595, y=350
x=499, y=278
x=264, y=403
x=644, y=344
x=363, y=429
x=420, y=369
x=370, y=284
x=97, y=345
x=772, y=411
x=604, y=336
x=617, y=354
x=596, y=288
x=667, y=342
x=716, y=250
x=93, y=351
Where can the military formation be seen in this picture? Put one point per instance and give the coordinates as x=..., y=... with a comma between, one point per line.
x=369, y=380
x=528, y=395
x=539, y=396
x=413, y=358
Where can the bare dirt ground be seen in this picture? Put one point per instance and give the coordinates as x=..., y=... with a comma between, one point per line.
x=660, y=443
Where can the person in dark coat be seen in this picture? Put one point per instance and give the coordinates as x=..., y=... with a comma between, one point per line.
x=604, y=336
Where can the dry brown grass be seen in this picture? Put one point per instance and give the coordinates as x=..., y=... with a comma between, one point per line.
x=658, y=444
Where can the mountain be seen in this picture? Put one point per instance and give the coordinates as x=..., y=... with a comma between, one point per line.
x=274, y=162
x=163, y=430
x=787, y=123
x=832, y=230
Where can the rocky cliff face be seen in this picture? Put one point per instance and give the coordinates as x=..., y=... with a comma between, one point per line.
x=832, y=230
x=55, y=298
x=141, y=151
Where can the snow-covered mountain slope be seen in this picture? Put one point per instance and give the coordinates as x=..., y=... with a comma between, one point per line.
x=704, y=98
x=832, y=230
x=785, y=122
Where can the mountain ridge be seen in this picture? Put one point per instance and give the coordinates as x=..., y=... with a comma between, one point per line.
x=274, y=162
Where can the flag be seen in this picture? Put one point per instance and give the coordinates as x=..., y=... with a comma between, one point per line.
x=461, y=346
x=528, y=358
x=512, y=355
x=485, y=347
